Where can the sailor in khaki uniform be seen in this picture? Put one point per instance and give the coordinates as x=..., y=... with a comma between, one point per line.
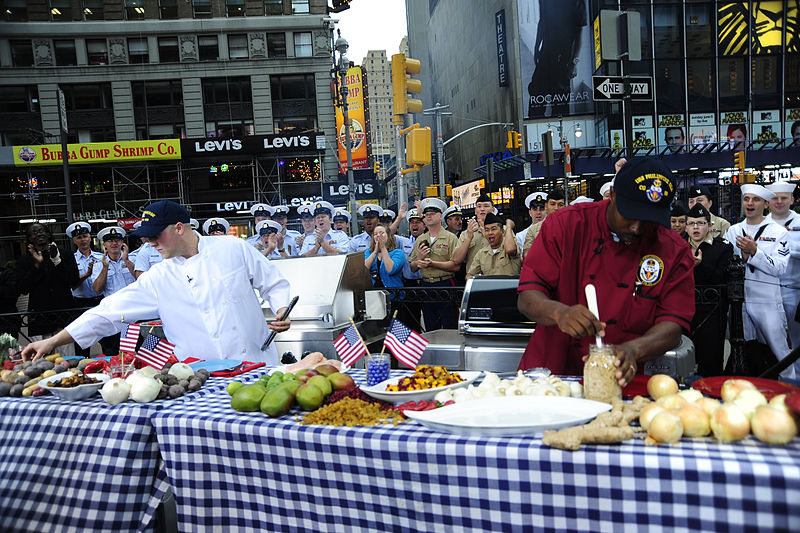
x=472, y=238
x=700, y=195
x=433, y=255
x=502, y=257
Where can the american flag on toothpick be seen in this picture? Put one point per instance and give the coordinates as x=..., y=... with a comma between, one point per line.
x=129, y=337
x=155, y=351
x=406, y=344
x=349, y=346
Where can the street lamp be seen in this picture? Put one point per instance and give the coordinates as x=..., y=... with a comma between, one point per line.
x=562, y=133
x=341, y=46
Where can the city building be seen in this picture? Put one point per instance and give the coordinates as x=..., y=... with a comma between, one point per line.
x=235, y=93
x=720, y=76
x=379, y=72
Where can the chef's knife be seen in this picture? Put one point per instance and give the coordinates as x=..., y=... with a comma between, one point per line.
x=272, y=333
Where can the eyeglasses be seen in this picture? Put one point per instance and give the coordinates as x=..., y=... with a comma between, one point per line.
x=698, y=224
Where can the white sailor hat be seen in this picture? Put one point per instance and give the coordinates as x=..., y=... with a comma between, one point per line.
x=111, y=232
x=261, y=210
x=388, y=214
x=778, y=186
x=582, y=200
x=323, y=208
x=78, y=228
x=194, y=223
x=137, y=224
x=216, y=224
x=271, y=224
x=341, y=213
x=279, y=211
x=452, y=211
x=539, y=198
x=370, y=210
x=306, y=210
x=605, y=187
x=413, y=213
x=434, y=204
x=757, y=190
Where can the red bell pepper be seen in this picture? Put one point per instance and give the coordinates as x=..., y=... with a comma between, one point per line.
x=96, y=367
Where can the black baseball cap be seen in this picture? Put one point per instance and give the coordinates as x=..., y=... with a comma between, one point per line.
x=699, y=190
x=159, y=215
x=699, y=211
x=644, y=190
x=678, y=210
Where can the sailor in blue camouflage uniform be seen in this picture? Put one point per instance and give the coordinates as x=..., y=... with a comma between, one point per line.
x=369, y=214
x=260, y=212
x=325, y=239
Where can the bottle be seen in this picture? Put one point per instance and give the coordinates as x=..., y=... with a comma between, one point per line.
x=599, y=374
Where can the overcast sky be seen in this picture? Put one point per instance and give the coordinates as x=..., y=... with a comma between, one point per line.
x=372, y=25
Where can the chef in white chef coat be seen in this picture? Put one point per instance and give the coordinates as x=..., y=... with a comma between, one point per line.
x=764, y=248
x=782, y=214
x=202, y=292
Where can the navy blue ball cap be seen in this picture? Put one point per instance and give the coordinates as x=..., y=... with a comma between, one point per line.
x=159, y=215
x=644, y=190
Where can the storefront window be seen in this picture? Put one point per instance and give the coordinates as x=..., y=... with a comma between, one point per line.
x=667, y=31
x=669, y=86
x=228, y=175
x=299, y=169
x=699, y=30
x=700, y=84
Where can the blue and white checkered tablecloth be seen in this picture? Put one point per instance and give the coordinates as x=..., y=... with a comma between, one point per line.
x=84, y=465
x=232, y=471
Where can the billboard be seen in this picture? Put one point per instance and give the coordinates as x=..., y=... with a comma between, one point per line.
x=105, y=152
x=556, y=43
x=357, y=114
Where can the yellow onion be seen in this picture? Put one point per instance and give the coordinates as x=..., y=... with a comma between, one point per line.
x=691, y=395
x=661, y=385
x=732, y=387
x=695, y=421
x=647, y=414
x=729, y=423
x=772, y=425
x=665, y=427
x=779, y=402
x=672, y=401
x=709, y=405
x=748, y=400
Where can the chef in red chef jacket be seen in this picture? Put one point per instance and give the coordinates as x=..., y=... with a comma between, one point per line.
x=642, y=271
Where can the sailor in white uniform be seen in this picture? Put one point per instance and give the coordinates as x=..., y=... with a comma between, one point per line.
x=280, y=214
x=87, y=259
x=306, y=212
x=202, y=291
x=260, y=212
x=369, y=213
x=341, y=220
x=216, y=226
x=387, y=217
x=325, y=239
x=274, y=244
x=535, y=202
x=764, y=247
x=782, y=214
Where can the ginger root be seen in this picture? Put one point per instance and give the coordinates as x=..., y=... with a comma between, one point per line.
x=609, y=427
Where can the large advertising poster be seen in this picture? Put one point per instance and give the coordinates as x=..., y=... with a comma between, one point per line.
x=357, y=115
x=702, y=129
x=766, y=125
x=672, y=132
x=792, y=125
x=643, y=131
x=556, y=57
x=733, y=128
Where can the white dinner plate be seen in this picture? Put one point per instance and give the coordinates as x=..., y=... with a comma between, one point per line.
x=509, y=415
x=379, y=391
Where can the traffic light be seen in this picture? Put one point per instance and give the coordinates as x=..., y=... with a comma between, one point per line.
x=401, y=85
x=510, y=142
x=376, y=167
x=738, y=158
x=339, y=6
x=517, y=139
x=418, y=146
x=433, y=191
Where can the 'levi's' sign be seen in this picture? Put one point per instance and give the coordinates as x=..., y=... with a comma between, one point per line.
x=279, y=144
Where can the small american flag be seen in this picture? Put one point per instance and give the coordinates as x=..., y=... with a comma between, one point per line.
x=155, y=351
x=406, y=344
x=349, y=346
x=129, y=337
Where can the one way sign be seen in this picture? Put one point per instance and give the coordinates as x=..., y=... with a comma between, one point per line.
x=614, y=87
